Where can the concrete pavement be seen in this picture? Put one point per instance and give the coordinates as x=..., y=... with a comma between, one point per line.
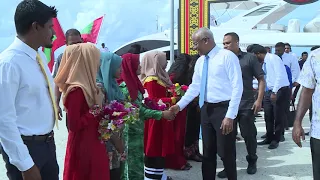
x=288, y=162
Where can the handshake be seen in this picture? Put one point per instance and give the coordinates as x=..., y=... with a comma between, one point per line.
x=171, y=113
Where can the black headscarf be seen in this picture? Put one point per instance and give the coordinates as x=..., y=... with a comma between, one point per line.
x=180, y=68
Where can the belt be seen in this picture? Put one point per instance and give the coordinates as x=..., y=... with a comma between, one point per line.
x=219, y=104
x=44, y=138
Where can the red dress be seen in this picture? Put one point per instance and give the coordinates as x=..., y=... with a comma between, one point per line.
x=158, y=135
x=86, y=157
x=177, y=160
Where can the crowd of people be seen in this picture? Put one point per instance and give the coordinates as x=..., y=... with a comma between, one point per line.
x=220, y=96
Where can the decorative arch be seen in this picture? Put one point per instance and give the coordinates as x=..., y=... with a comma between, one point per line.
x=194, y=14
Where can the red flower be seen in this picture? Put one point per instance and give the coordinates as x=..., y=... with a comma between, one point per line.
x=184, y=87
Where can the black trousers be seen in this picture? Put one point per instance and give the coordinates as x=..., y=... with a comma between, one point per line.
x=315, y=153
x=287, y=112
x=248, y=131
x=275, y=113
x=43, y=154
x=115, y=174
x=215, y=142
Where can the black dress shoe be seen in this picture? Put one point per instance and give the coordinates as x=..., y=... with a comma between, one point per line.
x=273, y=145
x=222, y=174
x=264, y=142
x=252, y=168
x=282, y=139
x=307, y=134
x=264, y=136
x=195, y=158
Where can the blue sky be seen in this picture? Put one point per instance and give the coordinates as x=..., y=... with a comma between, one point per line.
x=125, y=20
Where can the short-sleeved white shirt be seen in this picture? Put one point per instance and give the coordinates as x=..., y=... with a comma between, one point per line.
x=310, y=78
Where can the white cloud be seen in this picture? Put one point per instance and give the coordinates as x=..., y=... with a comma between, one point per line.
x=125, y=20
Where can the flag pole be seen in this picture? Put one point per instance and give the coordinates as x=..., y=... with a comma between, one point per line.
x=100, y=28
x=172, y=34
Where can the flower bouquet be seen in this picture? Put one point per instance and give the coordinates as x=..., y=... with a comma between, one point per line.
x=151, y=104
x=113, y=117
x=178, y=90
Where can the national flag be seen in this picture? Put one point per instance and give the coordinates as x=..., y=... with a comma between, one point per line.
x=58, y=41
x=91, y=32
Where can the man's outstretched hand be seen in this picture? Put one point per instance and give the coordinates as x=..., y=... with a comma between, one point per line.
x=175, y=109
x=298, y=134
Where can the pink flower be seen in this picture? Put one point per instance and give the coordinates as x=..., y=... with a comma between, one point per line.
x=114, y=116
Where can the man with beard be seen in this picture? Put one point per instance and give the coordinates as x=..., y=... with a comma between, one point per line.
x=215, y=72
x=28, y=111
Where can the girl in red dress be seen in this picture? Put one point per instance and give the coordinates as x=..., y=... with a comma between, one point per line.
x=159, y=136
x=86, y=156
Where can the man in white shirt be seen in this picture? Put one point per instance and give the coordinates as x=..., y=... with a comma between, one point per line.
x=292, y=62
x=287, y=48
x=289, y=60
x=104, y=48
x=309, y=79
x=218, y=79
x=27, y=109
x=276, y=97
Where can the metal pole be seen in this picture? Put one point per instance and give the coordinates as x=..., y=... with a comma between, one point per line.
x=157, y=21
x=172, y=34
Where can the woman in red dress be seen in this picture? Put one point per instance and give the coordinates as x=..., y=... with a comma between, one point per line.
x=86, y=156
x=159, y=136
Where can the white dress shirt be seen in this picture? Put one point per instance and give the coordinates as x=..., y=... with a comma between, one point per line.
x=295, y=55
x=276, y=73
x=105, y=49
x=25, y=106
x=224, y=81
x=292, y=62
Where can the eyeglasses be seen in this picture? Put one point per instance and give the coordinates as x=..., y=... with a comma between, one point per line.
x=195, y=44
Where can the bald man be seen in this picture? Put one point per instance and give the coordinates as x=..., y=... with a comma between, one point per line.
x=218, y=79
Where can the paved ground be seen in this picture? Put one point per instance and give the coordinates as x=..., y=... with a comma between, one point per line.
x=288, y=162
